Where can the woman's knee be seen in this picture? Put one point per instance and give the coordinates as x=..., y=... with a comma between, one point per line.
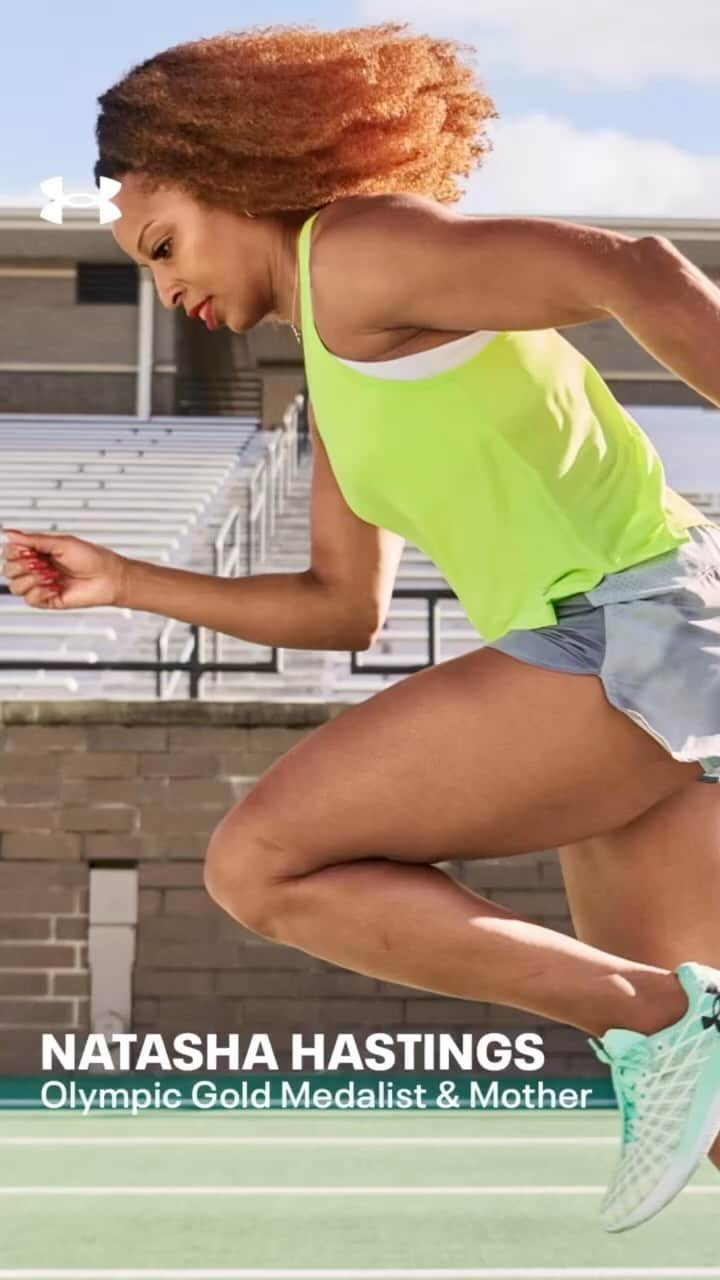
x=245, y=873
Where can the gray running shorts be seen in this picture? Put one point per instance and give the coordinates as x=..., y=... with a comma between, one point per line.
x=652, y=635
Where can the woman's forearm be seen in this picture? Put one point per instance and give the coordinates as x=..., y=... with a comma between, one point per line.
x=287, y=610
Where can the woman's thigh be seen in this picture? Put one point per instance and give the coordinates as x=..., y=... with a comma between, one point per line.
x=650, y=891
x=481, y=756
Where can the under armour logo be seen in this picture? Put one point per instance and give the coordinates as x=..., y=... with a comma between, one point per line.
x=97, y=199
x=713, y=1019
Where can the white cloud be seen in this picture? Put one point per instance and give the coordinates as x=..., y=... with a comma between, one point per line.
x=546, y=165
x=606, y=41
x=20, y=199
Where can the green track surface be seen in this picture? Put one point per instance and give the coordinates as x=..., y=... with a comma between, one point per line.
x=461, y=1230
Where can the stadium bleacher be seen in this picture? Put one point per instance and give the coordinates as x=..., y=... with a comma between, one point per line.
x=101, y=480
x=162, y=491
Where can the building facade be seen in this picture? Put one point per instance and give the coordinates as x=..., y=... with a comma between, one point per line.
x=83, y=332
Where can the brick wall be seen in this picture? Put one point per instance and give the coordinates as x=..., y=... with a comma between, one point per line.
x=143, y=784
x=44, y=979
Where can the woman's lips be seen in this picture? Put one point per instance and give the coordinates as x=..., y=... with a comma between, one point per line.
x=207, y=314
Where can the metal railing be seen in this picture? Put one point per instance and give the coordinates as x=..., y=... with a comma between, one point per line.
x=268, y=487
x=194, y=664
x=431, y=596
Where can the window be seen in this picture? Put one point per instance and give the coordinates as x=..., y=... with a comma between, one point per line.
x=106, y=282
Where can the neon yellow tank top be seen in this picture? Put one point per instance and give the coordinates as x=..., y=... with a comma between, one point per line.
x=517, y=473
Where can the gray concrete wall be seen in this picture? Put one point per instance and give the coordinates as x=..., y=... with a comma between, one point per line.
x=30, y=392
x=42, y=324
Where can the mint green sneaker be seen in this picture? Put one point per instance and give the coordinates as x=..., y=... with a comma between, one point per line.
x=668, y=1090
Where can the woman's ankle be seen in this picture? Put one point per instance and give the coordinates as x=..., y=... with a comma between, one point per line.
x=647, y=1001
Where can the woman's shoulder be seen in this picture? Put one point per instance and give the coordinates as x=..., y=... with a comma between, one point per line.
x=351, y=241
x=366, y=215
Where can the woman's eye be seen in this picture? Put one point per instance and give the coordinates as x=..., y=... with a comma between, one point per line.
x=156, y=252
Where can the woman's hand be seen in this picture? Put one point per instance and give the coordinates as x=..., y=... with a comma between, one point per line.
x=60, y=571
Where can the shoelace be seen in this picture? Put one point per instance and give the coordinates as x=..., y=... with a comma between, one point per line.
x=626, y=1072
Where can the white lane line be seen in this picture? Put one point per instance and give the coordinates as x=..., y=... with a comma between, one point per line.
x=370, y=1190
x=306, y=1141
x=368, y=1273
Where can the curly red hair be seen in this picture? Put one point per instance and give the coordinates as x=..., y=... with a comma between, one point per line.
x=281, y=119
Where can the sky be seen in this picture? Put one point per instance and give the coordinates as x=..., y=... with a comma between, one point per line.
x=606, y=109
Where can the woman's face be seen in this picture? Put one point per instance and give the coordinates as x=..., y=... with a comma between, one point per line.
x=246, y=265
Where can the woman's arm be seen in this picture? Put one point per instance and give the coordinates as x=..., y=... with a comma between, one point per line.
x=287, y=610
x=419, y=264
x=339, y=602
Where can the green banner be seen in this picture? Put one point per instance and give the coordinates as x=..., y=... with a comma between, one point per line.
x=138, y=1092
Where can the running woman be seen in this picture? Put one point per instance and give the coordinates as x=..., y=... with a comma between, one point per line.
x=308, y=175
